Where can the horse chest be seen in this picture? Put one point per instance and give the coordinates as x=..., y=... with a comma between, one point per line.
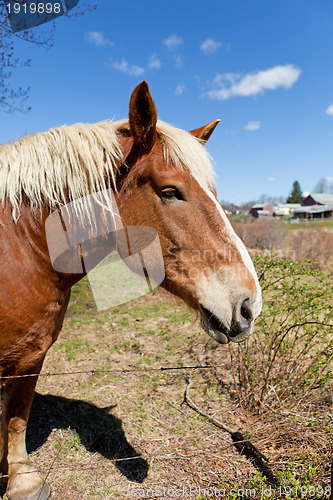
x=28, y=330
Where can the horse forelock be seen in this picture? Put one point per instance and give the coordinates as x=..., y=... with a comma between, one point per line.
x=70, y=162
x=185, y=150
x=182, y=150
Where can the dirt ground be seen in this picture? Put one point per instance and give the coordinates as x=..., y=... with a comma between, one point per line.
x=111, y=435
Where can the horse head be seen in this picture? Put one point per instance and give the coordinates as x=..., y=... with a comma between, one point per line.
x=166, y=183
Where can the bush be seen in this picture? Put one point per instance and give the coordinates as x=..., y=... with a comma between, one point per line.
x=273, y=236
x=291, y=350
x=262, y=234
x=313, y=244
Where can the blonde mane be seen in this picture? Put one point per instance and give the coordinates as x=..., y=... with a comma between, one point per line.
x=70, y=162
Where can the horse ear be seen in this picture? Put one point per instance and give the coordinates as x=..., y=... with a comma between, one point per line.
x=143, y=117
x=206, y=131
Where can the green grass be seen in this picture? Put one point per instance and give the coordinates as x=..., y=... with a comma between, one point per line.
x=100, y=412
x=327, y=223
x=75, y=346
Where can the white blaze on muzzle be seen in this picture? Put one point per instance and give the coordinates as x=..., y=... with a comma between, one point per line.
x=228, y=308
x=242, y=251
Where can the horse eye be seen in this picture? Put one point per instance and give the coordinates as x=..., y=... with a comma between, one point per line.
x=171, y=192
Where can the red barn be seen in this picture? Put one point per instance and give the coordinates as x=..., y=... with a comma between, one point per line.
x=262, y=207
x=318, y=199
x=316, y=206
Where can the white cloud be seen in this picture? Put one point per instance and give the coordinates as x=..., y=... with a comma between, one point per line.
x=329, y=110
x=154, y=62
x=328, y=178
x=180, y=89
x=209, y=46
x=179, y=61
x=252, y=126
x=232, y=84
x=270, y=179
x=97, y=38
x=124, y=67
x=173, y=42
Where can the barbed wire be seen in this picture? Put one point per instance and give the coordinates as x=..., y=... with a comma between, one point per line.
x=112, y=370
x=136, y=370
x=96, y=465
x=101, y=463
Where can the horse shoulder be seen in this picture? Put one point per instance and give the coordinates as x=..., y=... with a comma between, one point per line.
x=32, y=301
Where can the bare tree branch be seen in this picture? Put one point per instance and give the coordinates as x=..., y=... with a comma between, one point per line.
x=14, y=100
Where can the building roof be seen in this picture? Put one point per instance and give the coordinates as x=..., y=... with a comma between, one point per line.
x=264, y=212
x=314, y=209
x=280, y=211
x=261, y=205
x=322, y=198
x=290, y=206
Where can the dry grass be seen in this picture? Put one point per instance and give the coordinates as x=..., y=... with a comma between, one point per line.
x=263, y=234
x=82, y=425
x=305, y=241
x=315, y=244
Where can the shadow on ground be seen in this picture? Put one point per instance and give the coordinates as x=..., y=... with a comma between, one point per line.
x=98, y=430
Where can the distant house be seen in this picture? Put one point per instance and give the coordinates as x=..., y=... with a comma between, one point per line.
x=267, y=208
x=282, y=209
x=318, y=199
x=311, y=212
x=263, y=214
x=279, y=213
x=316, y=206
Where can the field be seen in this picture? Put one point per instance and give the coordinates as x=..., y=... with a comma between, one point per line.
x=86, y=429
x=306, y=240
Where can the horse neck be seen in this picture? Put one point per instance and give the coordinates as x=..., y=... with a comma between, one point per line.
x=61, y=248
x=77, y=244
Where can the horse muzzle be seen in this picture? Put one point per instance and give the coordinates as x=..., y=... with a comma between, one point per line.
x=240, y=328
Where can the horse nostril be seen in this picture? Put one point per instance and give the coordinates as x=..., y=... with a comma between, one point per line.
x=243, y=318
x=247, y=311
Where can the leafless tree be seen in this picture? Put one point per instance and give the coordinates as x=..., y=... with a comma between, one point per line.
x=324, y=185
x=14, y=99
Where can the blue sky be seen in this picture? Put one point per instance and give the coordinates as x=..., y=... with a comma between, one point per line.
x=263, y=67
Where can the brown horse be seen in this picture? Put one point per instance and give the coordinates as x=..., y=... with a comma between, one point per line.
x=162, y=178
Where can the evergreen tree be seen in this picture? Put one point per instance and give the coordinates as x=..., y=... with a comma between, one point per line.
x=296, y=194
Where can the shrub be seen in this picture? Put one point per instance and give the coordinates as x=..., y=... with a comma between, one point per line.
x=262, y=234
x=291, y=350
x=313, y=244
